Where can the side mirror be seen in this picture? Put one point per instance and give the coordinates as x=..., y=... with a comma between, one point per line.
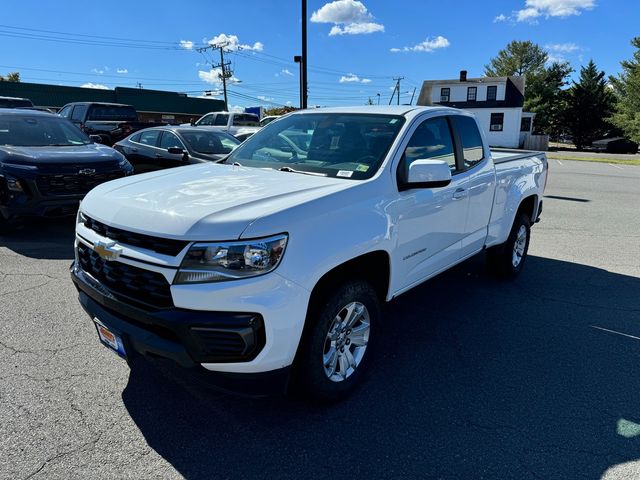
x=179, y=151
x=95, y=138
x=427, y=174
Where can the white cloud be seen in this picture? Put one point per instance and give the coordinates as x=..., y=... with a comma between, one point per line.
x=429, y=45
x=232, y=43
x=100, y=70
x=122, y=70
x=555, y=58
x=264, y=98
x=562, y=47
x=284, y=71
x=99, y=86
x=186, y=44
x=352, y=78
x=289, y=102
x=527, y=14
x=356, y=29
x=552, y=8
x=500, y=18
x=236, y=109
x=349, y=17
x=214, y=76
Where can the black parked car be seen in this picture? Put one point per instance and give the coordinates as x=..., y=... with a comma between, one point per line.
x=166, y=147
x=47, y=165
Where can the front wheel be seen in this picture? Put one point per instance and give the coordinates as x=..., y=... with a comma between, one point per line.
x=337, y=344
x=506, y=260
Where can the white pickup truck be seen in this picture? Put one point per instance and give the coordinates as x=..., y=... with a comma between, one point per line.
x=269, y=270
x=240, y=125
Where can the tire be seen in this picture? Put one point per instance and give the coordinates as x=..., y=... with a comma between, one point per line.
x=337, y=343
x=506, y=260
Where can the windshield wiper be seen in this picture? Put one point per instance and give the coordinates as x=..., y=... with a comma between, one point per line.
x=291, y=170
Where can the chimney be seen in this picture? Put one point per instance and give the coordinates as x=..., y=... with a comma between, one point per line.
x=463, y=75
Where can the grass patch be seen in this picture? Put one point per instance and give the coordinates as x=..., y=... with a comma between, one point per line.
x=577, y=157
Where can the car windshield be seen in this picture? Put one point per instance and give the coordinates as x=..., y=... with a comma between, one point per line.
x=209, y=142
x=124, y=113
x=39, y=131
x=332, y=144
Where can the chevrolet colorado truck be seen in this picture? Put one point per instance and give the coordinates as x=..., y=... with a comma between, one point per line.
x=268, y=271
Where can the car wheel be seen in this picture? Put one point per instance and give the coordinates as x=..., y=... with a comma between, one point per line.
x=506, y=260
x=337, y=344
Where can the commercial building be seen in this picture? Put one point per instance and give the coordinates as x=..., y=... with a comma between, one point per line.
x=152, y=105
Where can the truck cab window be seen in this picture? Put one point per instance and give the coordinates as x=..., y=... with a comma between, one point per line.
x=206, y=120
x=431, y=141
x=221, y=120
x=470, y=138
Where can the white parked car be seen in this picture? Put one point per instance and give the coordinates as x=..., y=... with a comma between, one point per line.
x=270, y=269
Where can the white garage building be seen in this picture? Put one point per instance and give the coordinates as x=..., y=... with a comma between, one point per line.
x=496, y=101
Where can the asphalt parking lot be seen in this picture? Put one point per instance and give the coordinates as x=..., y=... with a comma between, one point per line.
x=538, y=378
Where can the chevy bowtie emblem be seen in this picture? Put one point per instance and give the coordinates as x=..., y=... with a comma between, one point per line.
x=107, y=250
x=87, y=171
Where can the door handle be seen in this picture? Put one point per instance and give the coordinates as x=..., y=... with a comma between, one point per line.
x=135, y=150
x=158, y=155
x=459, y=194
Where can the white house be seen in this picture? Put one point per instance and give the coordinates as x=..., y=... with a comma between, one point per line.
x=496, y=101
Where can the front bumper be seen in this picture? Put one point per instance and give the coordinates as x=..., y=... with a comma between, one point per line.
x=168, y=334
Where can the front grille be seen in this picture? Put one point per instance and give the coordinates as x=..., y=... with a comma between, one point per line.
x=132, y=285
x=66, y=179
x=159, y=245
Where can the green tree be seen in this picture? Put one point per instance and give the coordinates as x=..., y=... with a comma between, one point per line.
x=11, y=77
x=544, y=94
x=590, y=103
x=517, y=58
x=627, y=90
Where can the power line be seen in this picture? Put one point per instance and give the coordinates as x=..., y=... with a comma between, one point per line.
x=225, y=67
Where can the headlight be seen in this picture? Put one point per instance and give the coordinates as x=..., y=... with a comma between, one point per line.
x=217, y=262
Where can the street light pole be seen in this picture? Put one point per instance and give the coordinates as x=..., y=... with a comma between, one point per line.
x=303, y=63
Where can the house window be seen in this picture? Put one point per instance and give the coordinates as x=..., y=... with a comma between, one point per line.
x=445, y=94
x=525, y=124
x=472, y=92
x=492, y=93
x=497, y=122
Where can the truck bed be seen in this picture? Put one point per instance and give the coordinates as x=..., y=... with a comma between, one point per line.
x=502, y=155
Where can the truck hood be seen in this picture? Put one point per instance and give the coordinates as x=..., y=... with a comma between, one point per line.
x=77, y=154
x=203, y=202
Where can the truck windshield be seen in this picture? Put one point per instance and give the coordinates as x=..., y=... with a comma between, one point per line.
x=39, y=131
x=123, y=113
x=341, y=145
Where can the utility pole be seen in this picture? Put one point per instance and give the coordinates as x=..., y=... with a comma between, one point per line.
x=225, y=67
x=412, y=95
x=397, y=89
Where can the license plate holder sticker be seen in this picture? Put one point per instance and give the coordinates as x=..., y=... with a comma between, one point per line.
x=110, y=339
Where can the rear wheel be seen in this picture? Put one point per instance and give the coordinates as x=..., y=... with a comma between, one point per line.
x=337, y=344
x=506, y=260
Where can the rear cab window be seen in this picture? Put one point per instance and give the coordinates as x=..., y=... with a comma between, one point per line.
x=246, y=120
x=221, y=120
x=470, y=139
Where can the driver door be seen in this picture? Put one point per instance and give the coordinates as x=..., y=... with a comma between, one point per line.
x=430, y=221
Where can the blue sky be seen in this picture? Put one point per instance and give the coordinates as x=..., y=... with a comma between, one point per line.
x=355, y=47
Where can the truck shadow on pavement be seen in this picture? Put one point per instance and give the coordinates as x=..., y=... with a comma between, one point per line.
x=477, y=378
x=46, y=239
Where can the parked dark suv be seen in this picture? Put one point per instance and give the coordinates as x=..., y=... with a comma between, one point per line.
x=47, y=165
x=110, y=121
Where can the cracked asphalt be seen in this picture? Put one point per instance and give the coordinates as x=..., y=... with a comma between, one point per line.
x=475, y=379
